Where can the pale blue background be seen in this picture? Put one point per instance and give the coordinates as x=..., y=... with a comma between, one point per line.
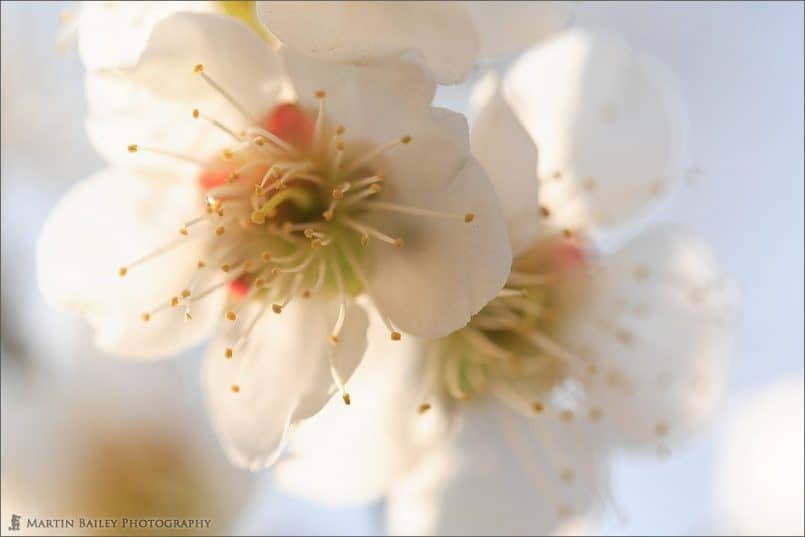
x=741, y=69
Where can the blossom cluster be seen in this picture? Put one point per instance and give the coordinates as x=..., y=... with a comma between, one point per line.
x=397, y=304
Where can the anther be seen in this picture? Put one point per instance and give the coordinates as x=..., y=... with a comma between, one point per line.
x=122, y=271
x=469, y=217
x=346, y=399
x=195, y=113
x=320, y=94
x=235, y=388
x=219, y=230
x=544, y=211
x=132, y=148
x=225, y=267
x=145, y=317
x=398, y=242
x=174, y=301
x=228, y=353
x=265, y=256
x=276, y=308
x=333, y=339
x=424, y=407
x=185, y=293
x=406, y=139
x=259, y=283
x=537, y=407
x=200, y=264
x=231, y=316
x=199, y=68
x=396, y=336
x=183, y=231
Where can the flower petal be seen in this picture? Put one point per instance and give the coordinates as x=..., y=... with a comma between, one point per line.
x=282, y=372
x=499, y=474
x=152, y=103
x=508, y=27
x=608, y=122
x=113, y=34
x=111, y=219
x=382, y=102
x=655, y=324
x=442, y=32
x=509, y=156
x=448, y=269
x=347, y=455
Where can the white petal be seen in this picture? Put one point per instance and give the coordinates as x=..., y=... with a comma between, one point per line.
x=448, y=269
x=758, y=480
x=152, y=104
x=499, y=474
x=608, y=122
x=507, y=27
x=509, y=156
x=283, y=375
x=655, y=322
x=113, y=34
x=110, y=220
x=442, y=32
x=382, y=102
x=347, y=455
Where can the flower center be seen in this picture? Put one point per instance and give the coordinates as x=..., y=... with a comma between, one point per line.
x=507, y=348
x=287, y=211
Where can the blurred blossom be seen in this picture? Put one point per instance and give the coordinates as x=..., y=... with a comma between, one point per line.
x=584, y=351
x=354, y=184
x=112, y=441
x=759, y=477
x=447, y=37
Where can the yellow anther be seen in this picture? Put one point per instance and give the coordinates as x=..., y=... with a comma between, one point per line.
x=199, y=68
x=364, y=240
x=227, y=153
x=183, y=231
x=265, y=256
x=200, y=264
x=469, y=217
x=375, y=188
x=187, y=316
x=174, y=301
x=258, y=283
x=258, y=218
x=544, y=211
x=259, y=140
x=276, y=308
x=233, y=177
x=122, y=271
x=346, y=399
x=248, y=265
x=595, y=414
x=228, y=353
x=310, y=233
x=219, y=230
x=339, y=130
x=537, y=407
x=328, y=215
x=145, y=317
x=320, y=94
x=424, y=407
x=132, y=148
x=275, y=271
x=567, y=233
x=338, y=194
x=406, y=139
x=231, y=316
x=333, y=339
x=195, y=113
x=235, y=388
x=398, y=242
x=225, y=267
x=185, y=293
x=395, y=336
x=306, y=293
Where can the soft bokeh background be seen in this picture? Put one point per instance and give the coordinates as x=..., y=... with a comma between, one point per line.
x=741, y=69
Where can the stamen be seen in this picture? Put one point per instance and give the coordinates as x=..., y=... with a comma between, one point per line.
x=365, y=159
x=135, y=148
x=342, y=306
x=318, y=131
x=477, y=339
x=417, y=211
x=199, y=68
x=370, y=231
x=526, y=279
x=215, y=123
x=123, y=270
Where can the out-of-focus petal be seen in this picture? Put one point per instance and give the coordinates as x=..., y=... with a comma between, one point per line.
x=443, y=33
x=281, y=373
x=654, y=324
x=507, y=27
x=110, y=220
x=759, y=483
x=509, y=156
x=112, y=35
x=500, y=474
x=608, y=122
